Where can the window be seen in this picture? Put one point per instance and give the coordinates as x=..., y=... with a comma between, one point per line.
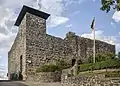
x=21, y=63
x=73, y=62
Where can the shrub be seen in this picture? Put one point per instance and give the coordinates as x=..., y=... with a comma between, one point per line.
x=111, y=63
x=119, y=54
x=101, y=57
x=85, y=67
x=62, y=64
x=48, y=68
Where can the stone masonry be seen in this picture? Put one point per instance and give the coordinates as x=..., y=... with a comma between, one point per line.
x=34, y=47
x=45, y=77
x=96, y=80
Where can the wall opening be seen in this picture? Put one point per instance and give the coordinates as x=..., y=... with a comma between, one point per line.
x=73, y=62
x=79, y=62
x=21, y=57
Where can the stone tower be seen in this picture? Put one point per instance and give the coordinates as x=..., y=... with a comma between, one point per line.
x=32, y=25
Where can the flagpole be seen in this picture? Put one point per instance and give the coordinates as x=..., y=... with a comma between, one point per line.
x=93, y=31
x=94, y=45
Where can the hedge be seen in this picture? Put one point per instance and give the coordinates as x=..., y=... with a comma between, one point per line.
x=47, y=68
x=112, y=63
x=101, y=57
x=60, y=65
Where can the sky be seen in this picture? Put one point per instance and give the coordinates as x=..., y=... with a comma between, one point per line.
x=66, y=15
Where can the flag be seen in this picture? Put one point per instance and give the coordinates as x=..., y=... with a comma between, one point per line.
x=93, y=23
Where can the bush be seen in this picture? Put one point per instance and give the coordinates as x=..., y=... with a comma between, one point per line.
x=60, y=65
x=101, y=57
x=100, y=65
x=85, y=67
x=48, y=68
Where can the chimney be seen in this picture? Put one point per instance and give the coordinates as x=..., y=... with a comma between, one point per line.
x=33, y=21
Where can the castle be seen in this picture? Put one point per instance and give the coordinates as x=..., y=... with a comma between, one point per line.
x=34, y=47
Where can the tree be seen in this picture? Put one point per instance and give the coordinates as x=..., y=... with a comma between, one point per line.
x=108, y=4
x=118, y=54
x=101, y=57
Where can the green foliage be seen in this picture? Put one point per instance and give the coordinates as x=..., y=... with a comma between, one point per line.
x=47, y=68
x=85, y=67
x=63, y=65
x=111, y=63
x=60, y=65
x=101, y=57
x=108, y=4
x=119, y=55
x=106, y=73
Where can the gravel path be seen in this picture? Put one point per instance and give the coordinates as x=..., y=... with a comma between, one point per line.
x=43, y=84
x=12, y=83
x=18, y=83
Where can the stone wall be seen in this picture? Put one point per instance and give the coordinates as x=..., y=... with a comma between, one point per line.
x=82, y=48
x=45, y=77
x=48, y=49
x=97, y=80
x=35, y=29
x=85, y=46
x=18, y=50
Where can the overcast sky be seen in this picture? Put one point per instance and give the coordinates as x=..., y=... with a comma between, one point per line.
x=66, y=15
